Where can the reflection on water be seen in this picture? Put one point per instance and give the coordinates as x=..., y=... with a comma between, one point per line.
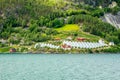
x=60, y=67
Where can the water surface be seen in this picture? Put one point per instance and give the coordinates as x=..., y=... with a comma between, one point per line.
x=60, y=67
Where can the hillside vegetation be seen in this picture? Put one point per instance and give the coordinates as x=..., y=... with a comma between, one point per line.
x=26, y=22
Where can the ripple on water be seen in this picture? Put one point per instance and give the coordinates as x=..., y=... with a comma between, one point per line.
x=60, y=67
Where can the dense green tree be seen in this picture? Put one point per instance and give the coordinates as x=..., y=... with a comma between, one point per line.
x=57, y=23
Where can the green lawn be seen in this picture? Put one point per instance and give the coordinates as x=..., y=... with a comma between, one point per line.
x=69, y=27
x=5, y=49
x=89, y=36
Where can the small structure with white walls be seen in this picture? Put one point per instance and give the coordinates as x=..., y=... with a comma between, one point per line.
x=111, y=43
x=113, y=4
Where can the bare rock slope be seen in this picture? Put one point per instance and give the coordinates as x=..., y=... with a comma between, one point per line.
x=112, y=19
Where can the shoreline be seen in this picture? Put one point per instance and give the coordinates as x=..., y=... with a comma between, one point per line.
x=114, y=49
x=59, y=53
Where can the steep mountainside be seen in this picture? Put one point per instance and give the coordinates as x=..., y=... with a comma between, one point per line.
x=26, y=22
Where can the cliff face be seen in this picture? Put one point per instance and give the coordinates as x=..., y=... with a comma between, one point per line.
x=112, y=19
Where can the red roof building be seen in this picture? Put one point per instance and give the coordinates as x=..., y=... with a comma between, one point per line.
x=81, y=39
x=12, y=50
x=65, y=46
x=57, y=39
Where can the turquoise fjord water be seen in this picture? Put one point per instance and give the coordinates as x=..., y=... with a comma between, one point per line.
x=59, y=66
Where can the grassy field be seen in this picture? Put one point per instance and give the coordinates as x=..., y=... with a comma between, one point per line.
x=75, y=31
x=69, y=27
x=5, y=49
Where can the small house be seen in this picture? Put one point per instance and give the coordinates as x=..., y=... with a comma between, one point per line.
x=69, y=38
x=111, y=43
x=12, y=50
x=66, y=47
x=3, y=41
x=81, y=39
x=113, y=4
x=101, y=41
x=57, y=39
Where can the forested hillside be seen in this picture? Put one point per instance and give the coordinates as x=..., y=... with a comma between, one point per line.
x=29, y=21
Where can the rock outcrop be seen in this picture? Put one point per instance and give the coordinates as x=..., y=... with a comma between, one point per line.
x=112, y=19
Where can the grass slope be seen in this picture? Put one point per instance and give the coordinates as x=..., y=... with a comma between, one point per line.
x=5, y=49
x=69, y=27
x=74, y=31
